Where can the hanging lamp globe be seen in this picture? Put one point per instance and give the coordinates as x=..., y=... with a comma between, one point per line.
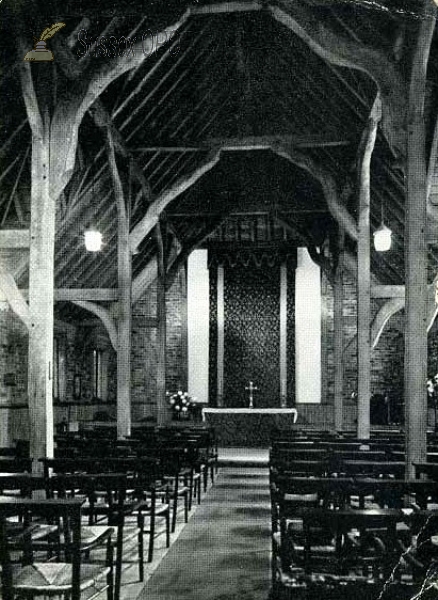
x=93, y=240
x=382, y=238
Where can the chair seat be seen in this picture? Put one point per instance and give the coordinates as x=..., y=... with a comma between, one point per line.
x=38, y=576
x=160, y=509
x=93, y=534
x=316, y=550
x=301, y=497
x=182, y=490
x=130, y=532
x=16, y=493
x=39, y=531
x=294, y=525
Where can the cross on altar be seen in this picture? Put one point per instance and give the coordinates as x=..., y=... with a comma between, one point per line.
x=251, y=388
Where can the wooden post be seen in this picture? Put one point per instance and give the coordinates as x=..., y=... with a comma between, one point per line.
x=41, y=285
x=416, y=253
x=124, y=303
x=364, y=275
x=124, y=333
x=220, y=334
x=162, y=411
x=338, y=318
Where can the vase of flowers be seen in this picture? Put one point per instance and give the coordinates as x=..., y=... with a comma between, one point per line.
x=432, y=396
x=181, y=404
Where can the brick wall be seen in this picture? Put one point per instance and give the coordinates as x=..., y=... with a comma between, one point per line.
x=387, y=359
x=144, y=358
x=14, y=422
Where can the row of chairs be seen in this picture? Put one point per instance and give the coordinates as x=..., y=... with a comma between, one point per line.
x=328, y=543
x=112, y=503
x=163, y=478
x=348, y=525
x=45, y=550
x=122, y=498
x=198, y=442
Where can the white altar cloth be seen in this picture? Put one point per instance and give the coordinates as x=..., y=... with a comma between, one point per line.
x=268, y=411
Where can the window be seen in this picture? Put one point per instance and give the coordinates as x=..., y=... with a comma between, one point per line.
x=97, y=373
x=59, y=379
x=100, y=374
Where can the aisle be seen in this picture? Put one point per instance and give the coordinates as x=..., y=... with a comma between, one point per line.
x=224, y=551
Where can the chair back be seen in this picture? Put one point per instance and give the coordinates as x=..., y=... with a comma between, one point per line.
x=66, y=511
x=105, y=493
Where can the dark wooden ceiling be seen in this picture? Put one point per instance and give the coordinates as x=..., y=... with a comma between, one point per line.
x=237, y=77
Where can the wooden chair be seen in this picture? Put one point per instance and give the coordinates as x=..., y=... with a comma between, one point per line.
x=152, y=490
x=340, y=553
x=68, y=578
x=106, y=505
x=177, y=477
x=146, y=474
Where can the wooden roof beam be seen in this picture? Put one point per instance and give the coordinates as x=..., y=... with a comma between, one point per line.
x=382, y=317
x=105, y=316
x=342, y=51
x=248, y=143
x=91, y=10
x=14, y=238
x=145, y=226
x=167, y=75
x=76, y=294
x=13, y=197
x=327, y=182
x=86, y=294
x=226, y=8
x=388, y=291
x=317, y=257
x=14, y=297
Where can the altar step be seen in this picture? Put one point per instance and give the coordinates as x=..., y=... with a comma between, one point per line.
x=243, y=457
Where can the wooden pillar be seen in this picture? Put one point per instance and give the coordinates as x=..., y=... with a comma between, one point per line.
x=416, y=254
x=41, y=286
x=220, y=335
x=283, y=334
x=364, y=275
x=124, y=303
x=338, y=319
x=162, y=411
x=124, y=334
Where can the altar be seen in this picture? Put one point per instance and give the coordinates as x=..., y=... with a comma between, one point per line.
x=248, y=427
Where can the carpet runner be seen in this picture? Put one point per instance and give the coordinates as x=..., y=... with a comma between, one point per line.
x=224, y=551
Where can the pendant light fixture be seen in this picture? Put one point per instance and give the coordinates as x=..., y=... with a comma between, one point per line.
x=93, y=237
x=93, y=240
x=382, y=236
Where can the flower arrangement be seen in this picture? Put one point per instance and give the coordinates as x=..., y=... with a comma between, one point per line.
x=432, y=389
x=180, y=402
